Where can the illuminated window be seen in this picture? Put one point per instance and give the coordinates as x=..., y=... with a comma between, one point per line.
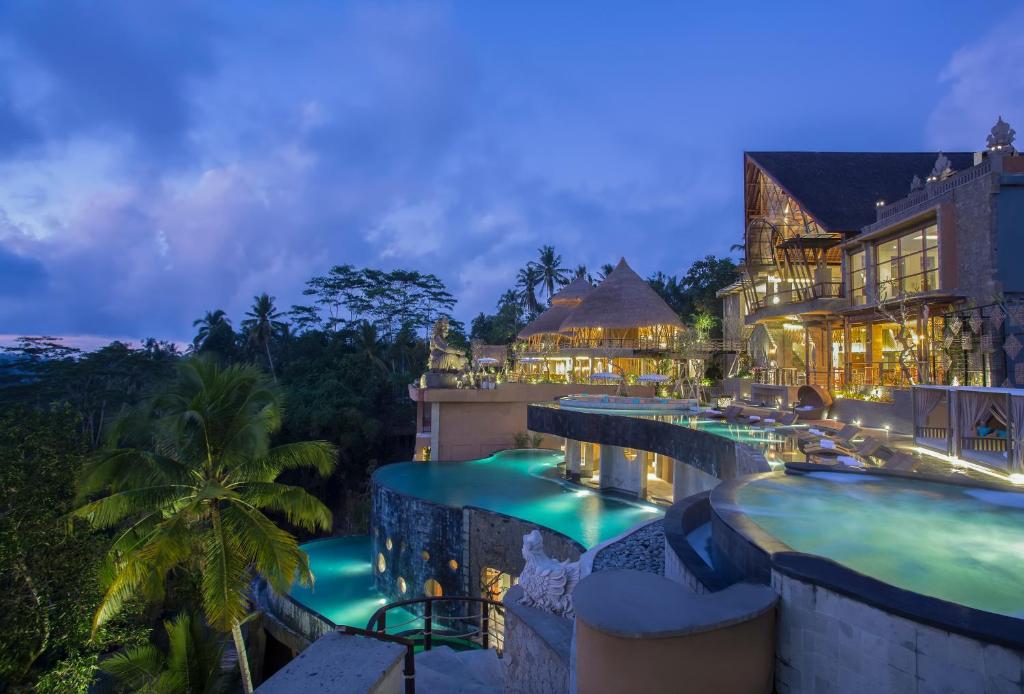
x=432, y=589
x=908, y=264
x=856, y=278
x=453, y=565
x=381, y=562
x=401, y=585
x=426, y=555
x=388, y=544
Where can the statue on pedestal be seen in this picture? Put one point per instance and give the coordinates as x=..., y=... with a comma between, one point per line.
x=445, y=362
x=547, y=583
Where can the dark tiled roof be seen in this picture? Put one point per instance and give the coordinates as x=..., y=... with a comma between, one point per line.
x=840, y=189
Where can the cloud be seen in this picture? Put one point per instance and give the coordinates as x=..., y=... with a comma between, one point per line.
x=983, y=80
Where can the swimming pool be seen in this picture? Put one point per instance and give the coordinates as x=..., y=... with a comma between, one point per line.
x=516, y=483
x=960, y=544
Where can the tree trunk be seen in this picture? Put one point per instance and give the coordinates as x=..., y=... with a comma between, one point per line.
x=243, y=659
x=270, y=361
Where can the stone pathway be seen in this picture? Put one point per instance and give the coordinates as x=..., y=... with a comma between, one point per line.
x=644, y=550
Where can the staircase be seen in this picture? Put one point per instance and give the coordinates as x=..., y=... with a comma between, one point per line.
x=445, y=671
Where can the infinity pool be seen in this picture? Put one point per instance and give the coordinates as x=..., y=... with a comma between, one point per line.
x=516, y=483
x=960, y=544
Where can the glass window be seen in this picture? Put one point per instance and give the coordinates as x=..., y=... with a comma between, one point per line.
x=908, y=263
x=857, y=278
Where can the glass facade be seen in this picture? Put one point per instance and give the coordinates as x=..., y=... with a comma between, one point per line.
x=908, y=264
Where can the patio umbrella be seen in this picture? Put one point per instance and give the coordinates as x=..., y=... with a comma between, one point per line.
x=653, y=378
x=486, y=360
x=606, y=375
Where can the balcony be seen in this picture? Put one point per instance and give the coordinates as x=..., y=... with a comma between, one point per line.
x=769, y=294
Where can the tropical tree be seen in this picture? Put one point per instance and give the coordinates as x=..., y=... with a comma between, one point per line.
x=605, y=270
x=552, y=274
x=187, y=479
x=190, y=665
x=263, y=324
x=527, y=281
x=369, y=345
x=208, y=326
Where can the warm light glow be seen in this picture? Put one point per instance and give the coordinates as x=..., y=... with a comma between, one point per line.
x=382, y=563
x=1017, y=478
x=453, y=565
x=389, y=544
x=432, y=588
x=629, y=454
x=426, y=555
x=401, y=585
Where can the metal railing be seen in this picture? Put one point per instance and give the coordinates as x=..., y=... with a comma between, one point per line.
x=886, y=374
x=930, y=192
x=469, y=628
x=796, y=294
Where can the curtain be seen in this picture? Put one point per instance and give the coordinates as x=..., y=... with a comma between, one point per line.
x=973, y=406
x=1017, y=411
x=925, y=401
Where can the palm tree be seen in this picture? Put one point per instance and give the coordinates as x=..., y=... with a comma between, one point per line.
x=191, y=663
x=263, y=325
x=369, y=346
x=606, y=270
x=208, y=324
x=551, y=271
x=187, y=478
x=527, y=280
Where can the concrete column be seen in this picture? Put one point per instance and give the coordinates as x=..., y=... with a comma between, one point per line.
x=587, y=460
x=572, y=457
x=622, y=474
x=435, y=431
x=689, y=480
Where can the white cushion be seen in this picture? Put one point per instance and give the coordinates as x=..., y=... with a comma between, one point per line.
x=850, y=461
x=827, y=443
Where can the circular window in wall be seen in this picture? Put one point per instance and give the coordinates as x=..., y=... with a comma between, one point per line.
x=426, y=555
x=388, y=544
x=432, y=588
x=401, y=585
x=453, y=565
x=381, y=563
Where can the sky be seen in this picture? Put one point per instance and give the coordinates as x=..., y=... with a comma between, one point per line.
x=161, y=159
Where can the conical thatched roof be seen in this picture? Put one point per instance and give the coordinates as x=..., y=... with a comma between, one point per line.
x=623, y=300
x=548, y=322
x=562, y=304
x=574, y=292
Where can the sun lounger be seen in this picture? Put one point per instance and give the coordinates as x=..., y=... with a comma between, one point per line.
x=730, y=412
x=809, y=443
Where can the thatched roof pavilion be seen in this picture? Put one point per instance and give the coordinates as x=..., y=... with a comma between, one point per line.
x=623, y=301
x=562, y=304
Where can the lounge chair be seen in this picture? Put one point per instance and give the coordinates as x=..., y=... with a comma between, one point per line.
x=865, y=450
x=843, y=438
x=730, y=412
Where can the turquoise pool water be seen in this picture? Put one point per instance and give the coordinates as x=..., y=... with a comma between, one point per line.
x=344, y=590
x=955, y=543
x=516, y=483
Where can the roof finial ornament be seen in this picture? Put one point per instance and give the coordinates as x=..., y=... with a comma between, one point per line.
x=942, y=169
x=916, y=183
x=1001, y=138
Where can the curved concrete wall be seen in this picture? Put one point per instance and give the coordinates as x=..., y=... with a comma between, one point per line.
x=711, y=454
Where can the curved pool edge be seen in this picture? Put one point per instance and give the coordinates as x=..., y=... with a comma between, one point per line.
x=756, y=554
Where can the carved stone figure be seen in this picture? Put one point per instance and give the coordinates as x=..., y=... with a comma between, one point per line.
x=943, y=169
x=547, y=583
x=443, y=357
x=916, y=183
x=1002, y=136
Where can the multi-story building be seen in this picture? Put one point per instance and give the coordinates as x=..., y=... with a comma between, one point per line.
x=872, y=271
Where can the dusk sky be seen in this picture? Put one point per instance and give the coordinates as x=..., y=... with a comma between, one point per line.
x=159, y=159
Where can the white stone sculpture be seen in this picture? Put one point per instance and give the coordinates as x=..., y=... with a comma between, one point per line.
x=547, y=583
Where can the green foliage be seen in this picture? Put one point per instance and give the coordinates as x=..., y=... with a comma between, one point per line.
x=190, y=664
x=694, y=293
x=536, y=440
x=49, y=569
x=521, y=439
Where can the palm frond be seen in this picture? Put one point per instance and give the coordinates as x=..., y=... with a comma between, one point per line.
x=298, y=506
x=318, y=455
x=274, y=552
x=112, y=509
x=225, y=578
x=136, y=668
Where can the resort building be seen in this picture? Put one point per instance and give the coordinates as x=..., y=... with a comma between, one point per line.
x=868, y=272
x=620, y=329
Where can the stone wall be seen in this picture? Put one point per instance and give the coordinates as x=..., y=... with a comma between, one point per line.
x=496, y=540
x=828, y=642
x=641, y=549
x=424, y=537
x=538, y=648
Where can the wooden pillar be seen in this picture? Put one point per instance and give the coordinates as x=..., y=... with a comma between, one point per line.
x=807, y=353
x=829, y=384
x=847, y=356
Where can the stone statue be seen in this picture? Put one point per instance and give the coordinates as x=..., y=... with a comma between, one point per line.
x=547, y=583
x=942, y=170
x=443, y=357
x=1002, y=136
x=916, y=183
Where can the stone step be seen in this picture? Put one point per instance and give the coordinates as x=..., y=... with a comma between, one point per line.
x=445, y=671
